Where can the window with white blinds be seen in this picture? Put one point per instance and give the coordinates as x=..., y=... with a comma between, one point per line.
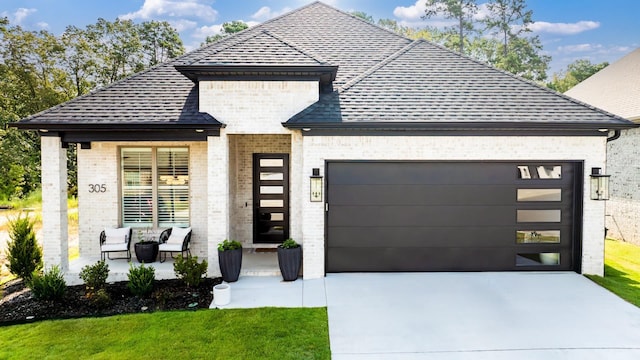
x=155, y=187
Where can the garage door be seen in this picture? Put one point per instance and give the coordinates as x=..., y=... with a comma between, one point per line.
x=460, y=216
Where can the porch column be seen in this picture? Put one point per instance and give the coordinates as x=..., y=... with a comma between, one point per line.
x=55, y=237
x=217, y=196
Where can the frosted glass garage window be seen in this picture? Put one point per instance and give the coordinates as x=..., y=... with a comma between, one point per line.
x=527, y=216
x=155, y=187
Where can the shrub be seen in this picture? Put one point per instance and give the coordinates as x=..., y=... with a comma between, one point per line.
x=23, y=252
x=100, y=298
x=48, y=286
x=229, y=245
x=190, y=270
x=141, y=280
x=95, y=276
x=289, y=244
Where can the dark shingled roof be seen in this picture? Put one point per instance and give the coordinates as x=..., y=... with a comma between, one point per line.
x=383, y=81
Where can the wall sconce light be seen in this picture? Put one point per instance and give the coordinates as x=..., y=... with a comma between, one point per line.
x=315, y=183
x=599, y=184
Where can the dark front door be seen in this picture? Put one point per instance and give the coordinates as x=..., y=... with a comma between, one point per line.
x=271, y=198
x=458, y=216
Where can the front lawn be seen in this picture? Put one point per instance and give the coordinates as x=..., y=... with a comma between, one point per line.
x=621, y=270
x=266, y=333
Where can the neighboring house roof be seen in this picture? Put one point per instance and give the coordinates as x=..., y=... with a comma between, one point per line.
x=383, y=80
x=616, y=88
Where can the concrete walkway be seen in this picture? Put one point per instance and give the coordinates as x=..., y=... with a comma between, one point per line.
x=468, y=316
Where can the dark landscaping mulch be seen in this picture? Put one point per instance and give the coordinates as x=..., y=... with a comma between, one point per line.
x=19, y=306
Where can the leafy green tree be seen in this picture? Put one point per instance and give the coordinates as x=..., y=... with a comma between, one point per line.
x=576, y=72
x=364, y=16
x=118, y=49
x=160, y=42
x=509, y=21
x=463, y=11
x=228, y=28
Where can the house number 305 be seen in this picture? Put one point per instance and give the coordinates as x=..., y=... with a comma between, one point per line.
x=97, y=188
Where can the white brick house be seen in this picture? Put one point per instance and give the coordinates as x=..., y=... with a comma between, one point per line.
x=429, y=161
x=616, y=89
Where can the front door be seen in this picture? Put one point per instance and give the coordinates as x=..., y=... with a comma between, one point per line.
x=271, y=198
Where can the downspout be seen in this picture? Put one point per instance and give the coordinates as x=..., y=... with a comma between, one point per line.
x=615, y=136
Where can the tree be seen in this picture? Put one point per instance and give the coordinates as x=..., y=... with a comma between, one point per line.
x=118, y=49
x=23, y=252
x=461, y=10
x=509, y=21
x=160, y=42
x=577, y=72
x=363, y=15
x=228, y=28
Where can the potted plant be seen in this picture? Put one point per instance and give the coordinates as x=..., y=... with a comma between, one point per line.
x=230, y=259
x=146, y=249
x=289, y=259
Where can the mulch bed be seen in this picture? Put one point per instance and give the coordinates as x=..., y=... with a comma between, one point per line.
x=19, y=306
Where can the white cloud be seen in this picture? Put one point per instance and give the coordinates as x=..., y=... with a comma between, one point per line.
x=43, y=25
x=265, y=13
x=564, y=28
x=413, y=12
x=22, y=14
x=579, y=48
x=152, y=9
x=183, y=24
x=202, y=32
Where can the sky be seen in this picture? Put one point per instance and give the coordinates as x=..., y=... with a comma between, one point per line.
x=597, y=30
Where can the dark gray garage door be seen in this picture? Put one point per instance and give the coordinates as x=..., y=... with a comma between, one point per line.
x=460, y=216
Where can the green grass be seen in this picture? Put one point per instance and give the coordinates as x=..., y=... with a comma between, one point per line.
x=621, y=270
x=266, y=333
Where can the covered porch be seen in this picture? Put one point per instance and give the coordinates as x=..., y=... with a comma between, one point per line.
x=254, y=263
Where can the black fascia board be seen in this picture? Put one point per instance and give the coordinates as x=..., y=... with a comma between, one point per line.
x=550, y=126
x=326, y=73
x=119, y=127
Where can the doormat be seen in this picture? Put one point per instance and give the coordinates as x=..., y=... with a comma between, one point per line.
x=265, y=250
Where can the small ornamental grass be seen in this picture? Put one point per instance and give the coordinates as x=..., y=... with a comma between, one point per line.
x=141, y=280
x=190, y=270
x=48, y=286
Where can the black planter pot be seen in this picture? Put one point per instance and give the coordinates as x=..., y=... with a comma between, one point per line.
x=146, y=252
x=290, y=261
x=230, y=263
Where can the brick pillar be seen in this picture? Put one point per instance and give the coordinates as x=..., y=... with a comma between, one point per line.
x=54, y=203
x=217, y=196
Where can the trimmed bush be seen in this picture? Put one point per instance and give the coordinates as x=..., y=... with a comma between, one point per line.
x=23, y=253
x=141, y=280
x=48, y=286
x=229, y=245
x=190, y=270
x=95, y=276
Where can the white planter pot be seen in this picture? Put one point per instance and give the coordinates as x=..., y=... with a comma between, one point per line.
x=222, y=294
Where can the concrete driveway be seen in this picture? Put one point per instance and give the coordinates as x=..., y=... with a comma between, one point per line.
x=478, y=316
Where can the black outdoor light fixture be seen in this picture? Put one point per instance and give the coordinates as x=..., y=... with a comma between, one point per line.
x=315, y=183
x=599, y=184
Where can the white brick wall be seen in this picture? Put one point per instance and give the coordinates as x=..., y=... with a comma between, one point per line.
x=256, y=107
x=54, y=203
x=317, y=149
x=100, y=165
x=623, y=208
